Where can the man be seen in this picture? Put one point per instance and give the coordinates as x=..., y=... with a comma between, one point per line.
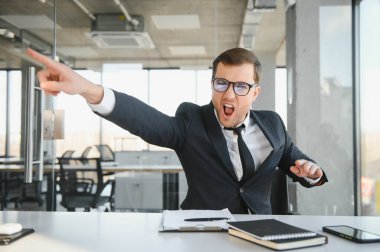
x=226, y=166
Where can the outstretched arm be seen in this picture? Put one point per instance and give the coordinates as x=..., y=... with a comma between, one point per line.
x=57, y=77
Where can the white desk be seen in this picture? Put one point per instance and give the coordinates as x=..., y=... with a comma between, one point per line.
x=63, y=231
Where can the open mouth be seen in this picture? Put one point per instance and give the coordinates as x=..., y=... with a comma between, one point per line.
x=228, y=109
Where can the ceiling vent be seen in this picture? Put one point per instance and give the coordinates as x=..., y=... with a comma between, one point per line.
x=114, y=31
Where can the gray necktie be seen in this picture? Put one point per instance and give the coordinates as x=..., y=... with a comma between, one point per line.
x=247, y=161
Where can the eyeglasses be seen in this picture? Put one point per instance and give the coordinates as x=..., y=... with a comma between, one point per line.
x=240, y=88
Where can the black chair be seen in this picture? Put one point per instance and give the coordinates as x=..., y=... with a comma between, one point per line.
x=86, y=152
x=67, y=154
x=106, y=153
x=79, y=192
x=279, y=193
x=15, y=190
x=11, y=188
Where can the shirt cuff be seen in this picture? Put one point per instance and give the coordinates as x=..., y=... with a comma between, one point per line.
x=312, y=181
x=106, y=105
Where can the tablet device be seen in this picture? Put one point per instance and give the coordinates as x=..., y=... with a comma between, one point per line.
x=352, y=234
x=6, y=239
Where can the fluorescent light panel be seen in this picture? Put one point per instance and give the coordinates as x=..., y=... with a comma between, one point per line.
x=78, y=52
x=30, y=21
x=174, y=22
x=187, y=50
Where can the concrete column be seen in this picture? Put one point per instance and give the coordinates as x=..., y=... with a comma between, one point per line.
x=266, y=99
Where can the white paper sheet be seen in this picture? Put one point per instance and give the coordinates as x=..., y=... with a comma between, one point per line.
x=174, y=220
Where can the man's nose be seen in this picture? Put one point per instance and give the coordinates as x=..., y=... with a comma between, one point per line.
x=230, y=91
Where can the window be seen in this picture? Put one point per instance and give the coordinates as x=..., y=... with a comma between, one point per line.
x=369, y=72
x=82, y=127
x=161, y=89
x=281, y=93
x=132, y=82
x=204, y=88
x=15, y=115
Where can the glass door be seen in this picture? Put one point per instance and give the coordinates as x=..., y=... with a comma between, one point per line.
x=24, y=24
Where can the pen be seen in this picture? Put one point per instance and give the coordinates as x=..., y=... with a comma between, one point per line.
x=207, y=219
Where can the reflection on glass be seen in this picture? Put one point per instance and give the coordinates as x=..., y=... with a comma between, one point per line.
x=330, y=108
x=369, y=51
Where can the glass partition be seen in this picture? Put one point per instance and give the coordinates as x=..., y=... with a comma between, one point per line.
x=3, y=106
x=24, y=24
x=369, y=72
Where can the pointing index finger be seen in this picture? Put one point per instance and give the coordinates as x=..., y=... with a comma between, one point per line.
x=46, y=61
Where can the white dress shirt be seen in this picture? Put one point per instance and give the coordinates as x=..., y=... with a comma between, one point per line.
x=255, y=140
x=253, y=137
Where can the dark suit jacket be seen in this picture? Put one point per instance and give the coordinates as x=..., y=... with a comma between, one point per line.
x=196, y=136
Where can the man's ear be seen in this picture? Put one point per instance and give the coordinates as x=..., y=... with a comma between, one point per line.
x=256, y=93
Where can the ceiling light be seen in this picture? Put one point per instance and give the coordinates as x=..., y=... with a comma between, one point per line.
x=264, y=6
x=187, y=50
x=30, y=21
x=163, y=22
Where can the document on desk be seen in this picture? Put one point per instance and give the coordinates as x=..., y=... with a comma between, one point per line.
x=195, y=220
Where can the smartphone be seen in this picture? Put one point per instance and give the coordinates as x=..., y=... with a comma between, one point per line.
x=8, y=239
x=352, y=234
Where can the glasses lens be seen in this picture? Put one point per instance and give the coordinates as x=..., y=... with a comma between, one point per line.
x=220, y=85
x=241, y=88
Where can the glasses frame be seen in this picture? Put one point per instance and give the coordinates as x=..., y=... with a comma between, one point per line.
x=254, y=85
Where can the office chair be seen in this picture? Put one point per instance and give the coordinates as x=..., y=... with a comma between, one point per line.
x=67, y=154
x=12, y=184
x=86, y=152
x=16, y=191
x=106, y=153
x=79, y=192
x=279, y=193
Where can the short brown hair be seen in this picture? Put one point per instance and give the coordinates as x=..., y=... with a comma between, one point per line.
x=238, y=56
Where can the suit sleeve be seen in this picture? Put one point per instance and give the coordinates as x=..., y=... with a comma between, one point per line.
x=290, y=155
x=148, y=123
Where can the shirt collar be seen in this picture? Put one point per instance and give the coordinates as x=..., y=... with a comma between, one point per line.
x=247, y=121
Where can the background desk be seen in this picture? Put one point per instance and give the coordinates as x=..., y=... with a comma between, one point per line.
x=62, y=231
x=170, y=182
x=169, y=175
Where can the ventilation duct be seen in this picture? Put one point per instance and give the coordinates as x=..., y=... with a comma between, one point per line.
x=115, y=31
x=263, y=5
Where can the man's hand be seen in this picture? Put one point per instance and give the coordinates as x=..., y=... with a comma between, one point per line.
x=57, y=77
x=304, y=168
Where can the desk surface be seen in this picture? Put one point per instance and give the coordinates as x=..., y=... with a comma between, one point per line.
x=63, y=231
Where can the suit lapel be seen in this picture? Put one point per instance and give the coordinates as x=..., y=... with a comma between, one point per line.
x=267, y=128
x=215, y=133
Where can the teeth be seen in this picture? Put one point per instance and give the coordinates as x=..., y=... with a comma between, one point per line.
x=228, y=105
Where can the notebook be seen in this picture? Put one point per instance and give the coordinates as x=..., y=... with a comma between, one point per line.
x=275, y=234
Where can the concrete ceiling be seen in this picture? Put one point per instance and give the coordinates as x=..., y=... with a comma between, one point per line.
x=220, y=28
